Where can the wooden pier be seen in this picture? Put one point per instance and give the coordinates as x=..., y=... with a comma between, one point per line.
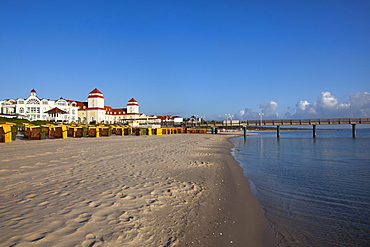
x=323, y=121
x=280, y=122
x=313, y=122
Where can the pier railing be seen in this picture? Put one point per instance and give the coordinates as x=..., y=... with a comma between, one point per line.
x=319, y=121
x=275, y=122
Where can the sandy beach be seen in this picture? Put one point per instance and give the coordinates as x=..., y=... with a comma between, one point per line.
x=170, y=190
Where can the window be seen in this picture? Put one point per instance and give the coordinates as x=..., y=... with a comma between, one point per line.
x=73, y=111
x=45, y=102
x=33, y=102
x=21, y=101
x=33, y=110
x=21, y=110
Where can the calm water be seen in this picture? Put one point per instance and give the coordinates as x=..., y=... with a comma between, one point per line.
x=315, y=192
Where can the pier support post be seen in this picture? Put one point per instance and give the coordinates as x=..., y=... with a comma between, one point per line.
x=245, y=132
x=278, y=131
x=314, y=130
x=353, y=130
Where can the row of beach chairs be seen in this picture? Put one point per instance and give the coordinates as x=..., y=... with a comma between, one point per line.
x=9, y=131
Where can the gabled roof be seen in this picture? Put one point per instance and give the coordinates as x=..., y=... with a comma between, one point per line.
x=132, y=102
x=95, y=94
x=56, y=110
x=96, y=91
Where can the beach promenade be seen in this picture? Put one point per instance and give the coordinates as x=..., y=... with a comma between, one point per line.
x=171, y=190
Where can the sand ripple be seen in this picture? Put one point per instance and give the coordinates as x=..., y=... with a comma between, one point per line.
x=117, y=191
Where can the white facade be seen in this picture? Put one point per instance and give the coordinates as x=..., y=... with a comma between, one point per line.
x=95, y=111
x=34, y=108
x=132, y=106
x=91, y=111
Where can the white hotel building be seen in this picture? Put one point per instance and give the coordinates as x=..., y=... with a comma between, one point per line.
x=61, y=110
x=34, y=108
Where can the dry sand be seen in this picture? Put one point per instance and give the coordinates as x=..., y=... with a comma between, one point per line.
x=170, y=190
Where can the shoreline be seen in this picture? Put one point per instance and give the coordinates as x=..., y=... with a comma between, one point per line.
x=174, y=190
x=252, y=229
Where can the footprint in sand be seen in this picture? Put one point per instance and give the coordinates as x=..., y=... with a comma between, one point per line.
x=33, y=237
x=94, y=204
x=91, y=240
x=82, y=218
x=125, y=217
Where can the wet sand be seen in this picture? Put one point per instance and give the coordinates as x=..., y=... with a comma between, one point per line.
x=170, y=190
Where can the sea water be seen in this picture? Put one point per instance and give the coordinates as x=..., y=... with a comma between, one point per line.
x=315, y=191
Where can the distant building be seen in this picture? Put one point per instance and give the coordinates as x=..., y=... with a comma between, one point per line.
x=171, y=120
x=35, y=108
x=95, y=110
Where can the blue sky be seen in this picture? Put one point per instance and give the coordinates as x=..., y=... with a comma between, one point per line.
x=209, y=58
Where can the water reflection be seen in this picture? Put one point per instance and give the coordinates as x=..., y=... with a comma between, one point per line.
x=314, y=190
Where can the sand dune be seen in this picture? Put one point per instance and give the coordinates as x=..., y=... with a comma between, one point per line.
x=172, y=190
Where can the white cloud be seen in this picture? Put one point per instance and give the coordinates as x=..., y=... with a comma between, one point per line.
x=268, y=109
x=326, y=106
x=329, y=106
x=247, y=113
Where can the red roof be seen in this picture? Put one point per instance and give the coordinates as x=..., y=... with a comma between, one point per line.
x=108, y=108
x=167, y=117
x=56, y=110
x=33, y=91
x=81, y=105
x=110, y=111
x=96, y=91
x=132, y=101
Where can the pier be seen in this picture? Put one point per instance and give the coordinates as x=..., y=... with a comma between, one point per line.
x=313, y=122
x=286, y=122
